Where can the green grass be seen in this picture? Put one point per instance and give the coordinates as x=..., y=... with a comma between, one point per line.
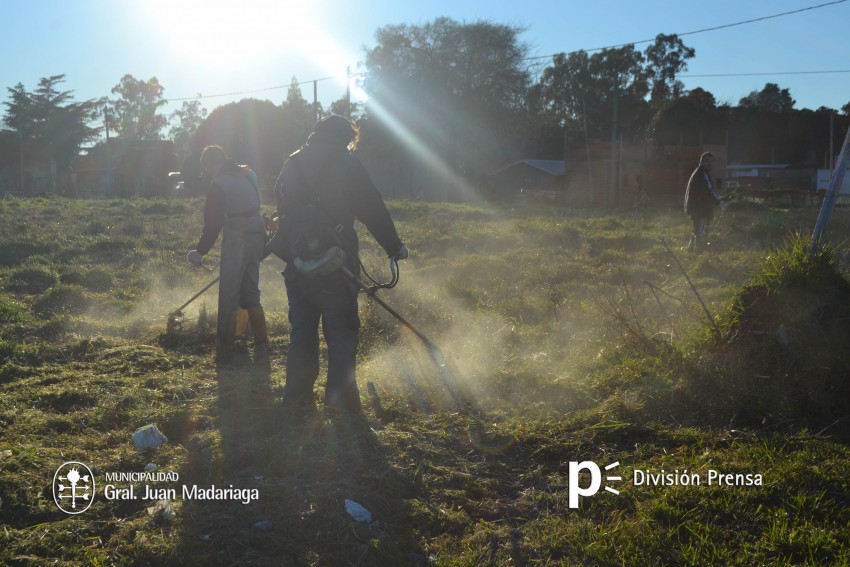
x=575, y=334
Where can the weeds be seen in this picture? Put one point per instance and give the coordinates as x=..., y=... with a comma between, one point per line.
x=531, y=310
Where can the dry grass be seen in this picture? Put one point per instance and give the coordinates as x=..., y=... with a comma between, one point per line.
x=513, y=299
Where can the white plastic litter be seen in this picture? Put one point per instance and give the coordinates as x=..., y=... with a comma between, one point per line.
x=163, y=509
x=357, y=511
x=148, y=437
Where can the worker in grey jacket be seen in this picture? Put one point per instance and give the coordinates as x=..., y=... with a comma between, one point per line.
x=325, y=175
x=233, y=208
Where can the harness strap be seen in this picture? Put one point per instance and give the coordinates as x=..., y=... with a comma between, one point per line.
x=314, y=193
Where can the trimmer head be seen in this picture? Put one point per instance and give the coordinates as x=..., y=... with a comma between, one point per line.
x=175, y=321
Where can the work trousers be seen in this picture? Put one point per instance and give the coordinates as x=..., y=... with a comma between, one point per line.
x=699, y=232
x=239, y=285
x=332, y=301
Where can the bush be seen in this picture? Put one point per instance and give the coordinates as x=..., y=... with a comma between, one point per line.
x=61, y=298
x=31, y=280
x=780, y=362
x=97, y=279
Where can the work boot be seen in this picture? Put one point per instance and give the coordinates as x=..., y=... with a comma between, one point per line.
x=295, y=404
x=343, y=401
x=257, y=317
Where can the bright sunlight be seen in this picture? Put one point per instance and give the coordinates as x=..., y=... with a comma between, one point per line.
x=214, y=34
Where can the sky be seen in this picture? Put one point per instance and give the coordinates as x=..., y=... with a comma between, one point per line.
x=226, y=51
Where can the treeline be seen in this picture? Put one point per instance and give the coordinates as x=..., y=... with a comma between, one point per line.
x=448, y=103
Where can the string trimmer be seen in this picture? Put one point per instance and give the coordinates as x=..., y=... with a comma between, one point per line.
x=448, y=378
x=175, y=318
x=480, y=434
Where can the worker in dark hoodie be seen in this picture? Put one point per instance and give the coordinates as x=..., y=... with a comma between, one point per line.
x=233, y=208
x=321, y=190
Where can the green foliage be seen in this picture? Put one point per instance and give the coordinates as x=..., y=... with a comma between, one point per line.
x=549, y=321
x=52, y=123
x=784, y=328
x=32, y=279
x=61, y=298
x=135, y=110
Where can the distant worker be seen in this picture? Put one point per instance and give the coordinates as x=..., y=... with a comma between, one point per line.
x=700, y=200
x=233, y=206
x=321, y=190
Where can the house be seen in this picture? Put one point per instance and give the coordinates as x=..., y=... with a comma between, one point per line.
x=824, y=176
x=125, y=168
x=774, y=183
x=531, y=179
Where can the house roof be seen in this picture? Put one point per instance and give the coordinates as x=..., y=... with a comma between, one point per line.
x=744, y=167
x=550, y=166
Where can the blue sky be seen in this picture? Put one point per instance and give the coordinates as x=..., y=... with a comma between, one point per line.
x=255, y=47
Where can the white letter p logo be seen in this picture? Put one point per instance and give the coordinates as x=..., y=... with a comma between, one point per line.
x=595, y=481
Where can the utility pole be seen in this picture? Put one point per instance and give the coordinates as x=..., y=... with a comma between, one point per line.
x=315, y=102
x=587, y=152
x=106, y=127
x=613, y=180
x=564, y=179
x=831, y=143
x=21, y=148
x=348, y=91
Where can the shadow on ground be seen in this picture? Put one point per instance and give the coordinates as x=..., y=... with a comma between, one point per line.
x=302, y=467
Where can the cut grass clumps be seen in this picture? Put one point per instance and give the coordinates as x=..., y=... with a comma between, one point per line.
x=13, y=319
x=96, y=279
x=31, y=280
x=61, y=298
x=784, y=358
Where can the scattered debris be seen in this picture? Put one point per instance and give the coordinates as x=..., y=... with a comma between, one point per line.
x=162, y=509
x=148, y=437
x=262, y=525
x=357, y=511
x=150, y=467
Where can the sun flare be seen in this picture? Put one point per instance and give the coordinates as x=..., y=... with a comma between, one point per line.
x=264, y=34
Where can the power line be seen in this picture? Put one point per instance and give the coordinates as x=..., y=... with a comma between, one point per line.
x=715, y=28
x=237, y=93
x=767, y=73
x=703, y=30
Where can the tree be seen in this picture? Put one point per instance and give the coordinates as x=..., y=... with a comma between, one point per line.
x=135, y=111
x=250, y=131
x=346, y=107
x=50, y=125
x=452, y=95
x=561, y=93
x=770, y=99
x=666, y=58
x=188, y=118
x=691, y=119
x=298, y=117
x=596, y=92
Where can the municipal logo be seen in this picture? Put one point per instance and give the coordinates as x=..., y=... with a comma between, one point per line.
x=73, y=487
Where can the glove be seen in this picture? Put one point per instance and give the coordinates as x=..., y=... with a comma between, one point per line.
x=195, y=258
x=402, y=254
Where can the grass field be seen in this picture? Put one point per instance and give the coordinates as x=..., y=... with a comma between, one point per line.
x=575, y=336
